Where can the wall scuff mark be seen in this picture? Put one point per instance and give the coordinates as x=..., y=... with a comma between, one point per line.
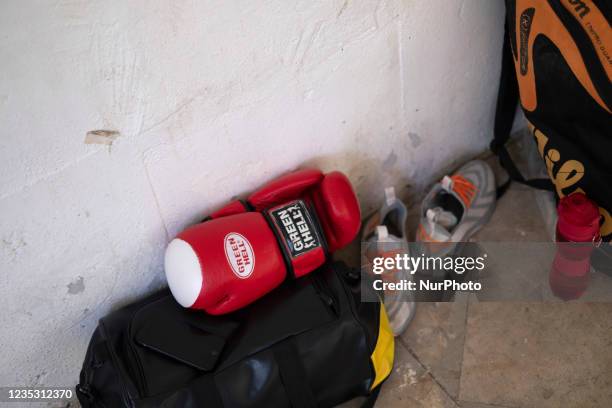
x=77, y=286
x=103, y=137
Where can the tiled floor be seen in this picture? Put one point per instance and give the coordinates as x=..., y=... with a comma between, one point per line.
x=473, y=354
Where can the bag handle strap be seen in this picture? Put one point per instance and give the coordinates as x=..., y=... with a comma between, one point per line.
x=507, y=101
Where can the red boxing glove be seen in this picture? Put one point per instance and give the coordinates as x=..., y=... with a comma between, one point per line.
x=226, y=263
x=280, y=190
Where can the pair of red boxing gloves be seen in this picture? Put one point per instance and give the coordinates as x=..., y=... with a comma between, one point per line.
x=247, y=248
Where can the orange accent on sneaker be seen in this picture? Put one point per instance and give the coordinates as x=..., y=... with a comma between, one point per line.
x=423, y=235
x=433, y=246
x=464, y=188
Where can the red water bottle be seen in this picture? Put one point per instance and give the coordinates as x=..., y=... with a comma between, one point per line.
x=577, y=234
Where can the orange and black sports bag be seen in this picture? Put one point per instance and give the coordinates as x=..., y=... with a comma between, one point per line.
x=557, y=62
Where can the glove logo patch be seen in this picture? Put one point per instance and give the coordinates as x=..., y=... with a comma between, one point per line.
x=239, y=254
x=298, y=231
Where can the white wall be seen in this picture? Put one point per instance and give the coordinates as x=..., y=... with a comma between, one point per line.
x=211, y=98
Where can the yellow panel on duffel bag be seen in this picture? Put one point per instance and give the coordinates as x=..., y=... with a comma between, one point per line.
x=382, y=357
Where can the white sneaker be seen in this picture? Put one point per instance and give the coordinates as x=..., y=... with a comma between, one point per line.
x=385, y=236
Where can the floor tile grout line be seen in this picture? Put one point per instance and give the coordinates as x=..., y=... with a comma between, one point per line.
x=465, y=333
x=485, y=404
x=459, y=401
x=414, y=355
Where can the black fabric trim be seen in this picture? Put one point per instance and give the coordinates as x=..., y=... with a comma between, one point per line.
x=507, y=102
x=507, y=97
x=293, y=375
x=508, y=164
x=371, y=399
x=209, y=391
x=247, y=205
x=587, y=50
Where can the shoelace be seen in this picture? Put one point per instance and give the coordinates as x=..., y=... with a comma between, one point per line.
x=464, y=188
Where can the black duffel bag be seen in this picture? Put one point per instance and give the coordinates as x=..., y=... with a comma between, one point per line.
x=309, y=343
